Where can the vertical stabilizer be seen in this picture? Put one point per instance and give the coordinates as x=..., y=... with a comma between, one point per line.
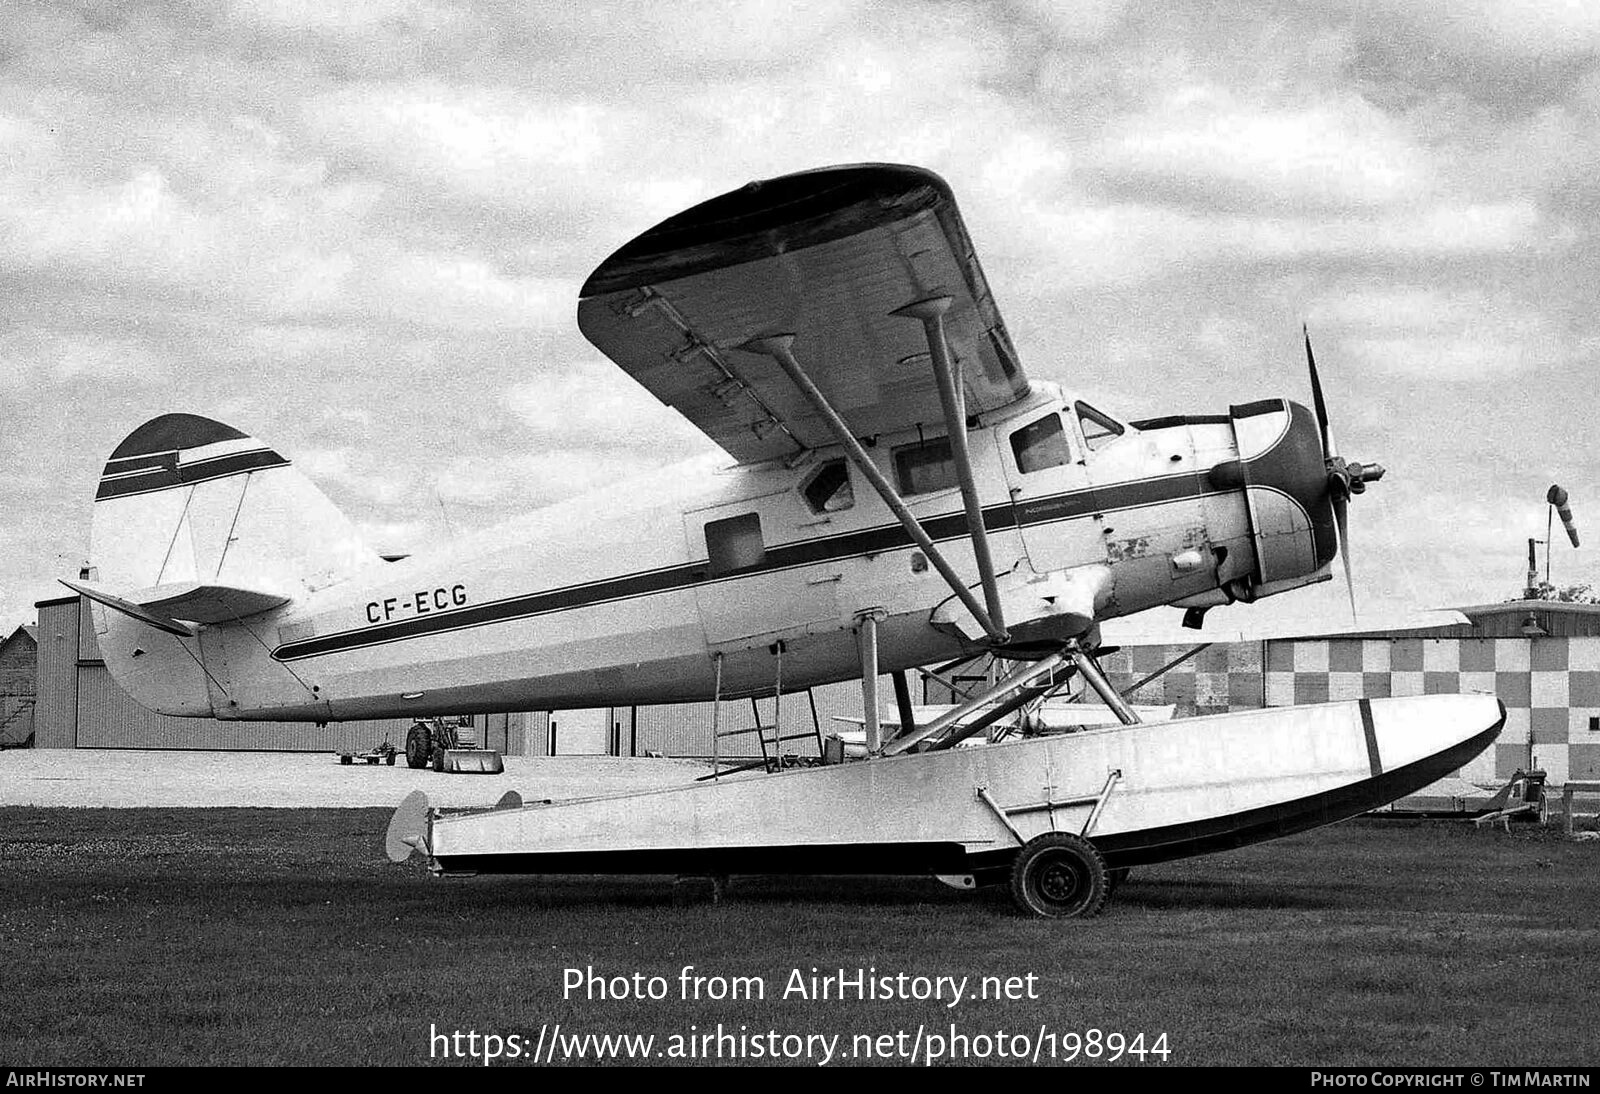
x=198, y=525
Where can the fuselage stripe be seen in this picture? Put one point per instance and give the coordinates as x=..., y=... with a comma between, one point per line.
x=946, y=527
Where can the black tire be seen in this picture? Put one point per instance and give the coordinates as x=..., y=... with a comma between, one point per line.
x=419, y=744
x=438, y=759
x=347, y=759
x=1059, y=876
x=389, y=759
x=1115, y=878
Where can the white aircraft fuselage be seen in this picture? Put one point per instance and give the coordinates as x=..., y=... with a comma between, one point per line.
x=628, y=596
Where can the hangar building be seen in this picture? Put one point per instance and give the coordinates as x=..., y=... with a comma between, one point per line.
x=18, y=684
x=1542, y=659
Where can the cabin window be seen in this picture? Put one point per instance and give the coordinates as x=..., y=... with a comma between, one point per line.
x=926, y=467
x=1040, y=445
x=828, y=489
x=1099, y=429
x=734, y=544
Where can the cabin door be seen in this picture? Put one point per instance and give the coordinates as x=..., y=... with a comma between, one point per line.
x=755, y=588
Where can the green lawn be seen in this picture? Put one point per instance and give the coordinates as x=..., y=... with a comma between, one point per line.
x=146, y=937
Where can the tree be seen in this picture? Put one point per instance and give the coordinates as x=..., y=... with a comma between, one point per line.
x=1568, y=594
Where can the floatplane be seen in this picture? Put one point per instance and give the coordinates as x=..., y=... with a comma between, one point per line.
x=901, y=494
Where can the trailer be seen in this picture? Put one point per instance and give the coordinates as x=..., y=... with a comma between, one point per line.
x=381, y=754
x=1060, y=819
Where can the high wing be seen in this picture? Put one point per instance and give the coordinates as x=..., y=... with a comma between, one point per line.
x=827, y=256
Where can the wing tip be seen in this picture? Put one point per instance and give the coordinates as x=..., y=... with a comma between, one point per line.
x=769, y=216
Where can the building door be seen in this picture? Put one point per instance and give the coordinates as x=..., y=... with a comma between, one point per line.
x=580, y=732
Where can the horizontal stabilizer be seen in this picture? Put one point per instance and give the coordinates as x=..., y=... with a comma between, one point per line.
x=163, y=606
x=208, y=603
x=128, y=608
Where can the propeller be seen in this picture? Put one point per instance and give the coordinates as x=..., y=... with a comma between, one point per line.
x=1345, y=477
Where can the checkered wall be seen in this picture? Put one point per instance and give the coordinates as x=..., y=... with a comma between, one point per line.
x=1550, y=686
x=1216, y=680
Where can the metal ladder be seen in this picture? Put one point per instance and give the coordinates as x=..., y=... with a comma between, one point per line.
x=770, y=738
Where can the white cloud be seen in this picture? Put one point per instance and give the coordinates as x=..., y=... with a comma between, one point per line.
x=347, y=15
x=456, y=291
x=1101, y=244
x=346, y=471
x=1083, y=20
x=1328, y=154
x=1512, y=29
x=596, y=404
x=1461, y=336
x=485, y=143
x=1468, y=358
x=31, y=354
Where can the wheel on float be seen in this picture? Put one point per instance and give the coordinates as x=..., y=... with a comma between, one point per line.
x=1059, y=876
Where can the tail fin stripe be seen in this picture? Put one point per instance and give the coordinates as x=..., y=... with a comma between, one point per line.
x=129, y=464
x=164, y=478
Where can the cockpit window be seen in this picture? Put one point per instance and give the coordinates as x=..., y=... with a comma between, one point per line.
x=1040, y=445
x=828, y=489
x=926, y=467
x=1099, y=429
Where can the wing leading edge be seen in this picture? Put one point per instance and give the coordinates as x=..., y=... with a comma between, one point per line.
x=828, y=256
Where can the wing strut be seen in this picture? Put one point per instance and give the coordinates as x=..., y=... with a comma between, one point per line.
x=947, y=373
x=780, y=348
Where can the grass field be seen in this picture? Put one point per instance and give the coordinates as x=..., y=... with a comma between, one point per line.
x=232, y=936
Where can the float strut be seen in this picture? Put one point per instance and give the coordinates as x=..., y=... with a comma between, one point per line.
x=1102, y=687
x=902, y=701
x=868, y=636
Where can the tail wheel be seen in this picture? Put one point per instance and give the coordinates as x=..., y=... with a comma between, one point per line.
x=419, y=744
x=1058, y=875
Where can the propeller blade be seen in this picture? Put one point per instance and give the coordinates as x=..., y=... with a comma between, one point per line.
x=1341, y=518
x=1317, y=402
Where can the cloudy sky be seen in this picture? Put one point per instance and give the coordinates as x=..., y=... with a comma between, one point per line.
x=357, y=230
